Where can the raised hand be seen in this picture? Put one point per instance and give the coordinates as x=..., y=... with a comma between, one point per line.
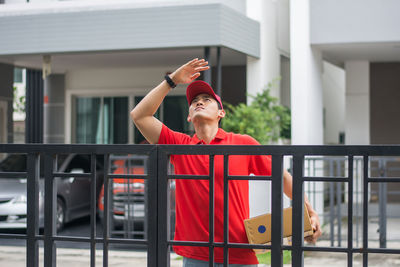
x=189, y=71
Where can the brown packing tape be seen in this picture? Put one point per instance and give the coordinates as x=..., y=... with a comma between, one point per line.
x=258, y=229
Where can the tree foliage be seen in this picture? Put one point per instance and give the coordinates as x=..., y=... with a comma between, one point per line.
x=19, y=102
x=264, y=119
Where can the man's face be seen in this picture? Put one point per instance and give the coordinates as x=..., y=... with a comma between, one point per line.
x=204, y=107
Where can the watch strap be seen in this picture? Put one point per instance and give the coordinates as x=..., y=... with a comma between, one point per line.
x=170, y=81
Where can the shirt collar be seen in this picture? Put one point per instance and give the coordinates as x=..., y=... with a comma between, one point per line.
x=221, y=134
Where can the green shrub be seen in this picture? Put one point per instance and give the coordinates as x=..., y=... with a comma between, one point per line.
x=264, y=119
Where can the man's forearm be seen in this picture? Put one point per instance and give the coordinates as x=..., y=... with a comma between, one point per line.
x=150, y=103
x=288, y=190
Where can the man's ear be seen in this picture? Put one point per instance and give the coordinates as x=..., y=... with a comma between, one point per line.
x=221, y=113
x=188, y=118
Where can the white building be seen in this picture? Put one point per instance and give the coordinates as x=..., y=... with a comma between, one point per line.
x=339, y=62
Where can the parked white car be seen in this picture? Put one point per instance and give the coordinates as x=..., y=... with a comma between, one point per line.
x=73, y=194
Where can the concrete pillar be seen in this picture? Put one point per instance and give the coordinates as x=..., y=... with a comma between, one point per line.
x=306, y=84
x=6, y=103
x=54, y=91
x=260, y=72
x=263, y=70
x=357, y=124
x=306, y=90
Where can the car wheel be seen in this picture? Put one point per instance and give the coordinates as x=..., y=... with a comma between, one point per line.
x=60, y=220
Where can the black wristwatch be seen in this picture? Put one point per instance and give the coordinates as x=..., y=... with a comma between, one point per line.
x=170, y=81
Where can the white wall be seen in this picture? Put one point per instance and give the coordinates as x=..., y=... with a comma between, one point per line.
x=357, y=123
x=333, y=83
x=238, y=5
x=306, y=84
x=355, y=21
x=267, y=67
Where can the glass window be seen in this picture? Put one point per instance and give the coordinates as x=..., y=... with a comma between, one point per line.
x=18, y=75
x=14, y=163
x=88, y=111
x=174, y=115
x=101, y=120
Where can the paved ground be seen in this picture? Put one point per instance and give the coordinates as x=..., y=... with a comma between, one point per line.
x=11, y=256
x=15, y=255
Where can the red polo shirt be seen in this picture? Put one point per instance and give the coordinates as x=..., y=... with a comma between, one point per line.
x=192, y=196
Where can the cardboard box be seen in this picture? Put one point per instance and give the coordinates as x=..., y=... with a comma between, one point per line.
x=258, y=229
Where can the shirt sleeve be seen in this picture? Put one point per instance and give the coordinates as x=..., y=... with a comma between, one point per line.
x=259, y=165
x=170, y=137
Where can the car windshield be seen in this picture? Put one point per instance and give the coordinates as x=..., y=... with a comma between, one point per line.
x=18, y=163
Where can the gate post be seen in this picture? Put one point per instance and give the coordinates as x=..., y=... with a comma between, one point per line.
x=162, y=183
x=298, y=211
x=276, y=217
x=152, y=208
x=32, y=223
x=49, y=212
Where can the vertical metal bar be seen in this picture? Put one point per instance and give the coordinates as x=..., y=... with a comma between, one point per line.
x=350, y=214
x=50, y=201
x=154, y=193
x=162, y=251
x=365, y=210
x=211, y=211
x=131, y=203
x=127, y=207
x=331, y=205
x=151, y=208
x=28, y=107
x=382, y=204
x=276, y=216
x=219, y=72
x=111, y=204
x=106, y=210
x=338, y=212
x=332, y=212
x=93, y=210
x=357, y=175
x=32, y=227
x=298, y=212
x=207, y=73
x=226, y=210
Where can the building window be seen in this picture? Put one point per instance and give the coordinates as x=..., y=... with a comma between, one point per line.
x=101, y=120
x=173, y=113
x=18, y=75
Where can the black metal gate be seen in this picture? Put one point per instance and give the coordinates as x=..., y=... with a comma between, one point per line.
x=157, y=176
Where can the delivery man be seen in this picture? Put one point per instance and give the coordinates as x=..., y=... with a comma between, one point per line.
x=192, y=196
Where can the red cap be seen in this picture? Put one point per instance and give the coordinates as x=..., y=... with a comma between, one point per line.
x=200, y=87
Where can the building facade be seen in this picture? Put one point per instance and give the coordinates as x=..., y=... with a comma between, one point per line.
x=338, y=64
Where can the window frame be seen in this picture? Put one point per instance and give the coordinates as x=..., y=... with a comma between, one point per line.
x=131, y=93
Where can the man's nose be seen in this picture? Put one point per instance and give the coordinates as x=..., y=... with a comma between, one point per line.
x=200, y=102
